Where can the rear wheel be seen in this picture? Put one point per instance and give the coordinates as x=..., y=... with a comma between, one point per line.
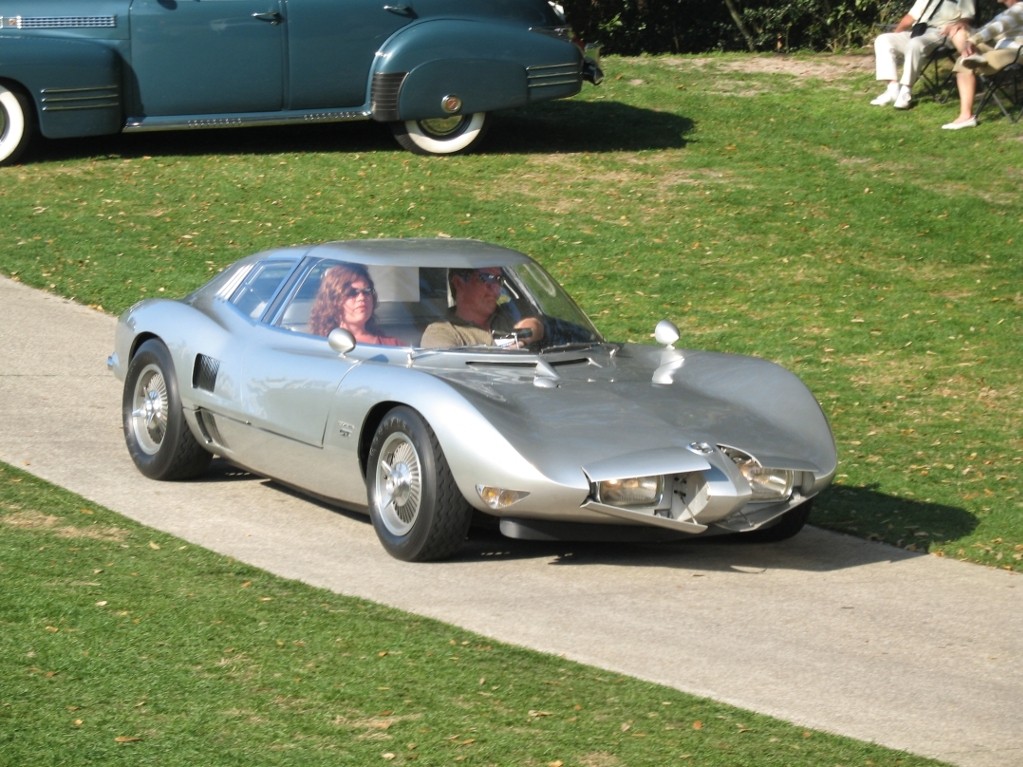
x=442, y=135
x=418, y=512
x=16, y=125
x=155, y=431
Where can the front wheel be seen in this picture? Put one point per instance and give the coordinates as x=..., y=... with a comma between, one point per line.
x=788, y=525
x=442, y=135
x=155, y=431
x=15, y=125
x=418, y=512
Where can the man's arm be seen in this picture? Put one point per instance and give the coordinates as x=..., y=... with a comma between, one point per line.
x=905, y=23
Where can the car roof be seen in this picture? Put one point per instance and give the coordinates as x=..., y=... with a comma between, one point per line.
x=426, y=252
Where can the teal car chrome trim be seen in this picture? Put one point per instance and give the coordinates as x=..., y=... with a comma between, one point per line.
x=67, y=99
x=57, y=22
x=205, y=122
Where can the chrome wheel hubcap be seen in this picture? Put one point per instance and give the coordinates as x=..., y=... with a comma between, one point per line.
x=150, y=409
x=398, y=485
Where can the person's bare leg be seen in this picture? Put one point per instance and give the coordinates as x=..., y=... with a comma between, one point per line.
x=966, y=84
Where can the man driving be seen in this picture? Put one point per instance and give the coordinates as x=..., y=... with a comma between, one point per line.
x=475, y=317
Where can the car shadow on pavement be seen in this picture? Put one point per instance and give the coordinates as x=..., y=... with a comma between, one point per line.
x=815, y=549
x=552, y=127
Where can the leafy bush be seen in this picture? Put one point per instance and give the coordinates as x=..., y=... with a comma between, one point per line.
x=630, y=27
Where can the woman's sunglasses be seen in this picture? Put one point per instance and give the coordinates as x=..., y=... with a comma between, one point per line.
x=351, y=293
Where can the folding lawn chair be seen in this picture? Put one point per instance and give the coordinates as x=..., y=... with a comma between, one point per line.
x=937, y=79
x=1005, y=88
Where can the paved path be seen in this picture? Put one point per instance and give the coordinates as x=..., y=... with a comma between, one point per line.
x=827, y=631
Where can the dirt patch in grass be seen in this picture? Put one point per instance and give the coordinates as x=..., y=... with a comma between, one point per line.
x=827, y=68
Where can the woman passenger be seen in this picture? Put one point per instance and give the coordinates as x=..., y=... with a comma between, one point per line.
x=347, y=299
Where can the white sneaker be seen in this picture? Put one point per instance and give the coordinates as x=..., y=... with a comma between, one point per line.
x=884, y=99
x=904, y=98
x=974, y=61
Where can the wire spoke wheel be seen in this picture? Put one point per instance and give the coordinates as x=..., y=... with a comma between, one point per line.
x=158, y=438
x=150, y=404
x=399, y=484
x=418, y=511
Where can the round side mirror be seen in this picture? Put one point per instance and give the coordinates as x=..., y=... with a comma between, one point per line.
x=666, y=333
x=342, y=341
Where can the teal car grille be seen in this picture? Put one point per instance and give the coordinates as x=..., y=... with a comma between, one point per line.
x=386, y=89
x=557, y=75
x=68, y=99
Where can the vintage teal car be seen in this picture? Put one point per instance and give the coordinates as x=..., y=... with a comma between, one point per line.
x=432, y=70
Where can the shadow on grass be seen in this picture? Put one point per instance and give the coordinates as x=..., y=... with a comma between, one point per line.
x=554, y=127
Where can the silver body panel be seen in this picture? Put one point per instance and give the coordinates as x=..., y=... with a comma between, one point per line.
x=551, y=423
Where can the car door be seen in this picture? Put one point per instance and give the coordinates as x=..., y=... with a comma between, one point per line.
x=207, y=57
x=331, y=46
x=282, y=390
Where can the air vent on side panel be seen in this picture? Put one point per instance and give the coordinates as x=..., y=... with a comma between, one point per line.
x=208, y=426
x=204, y=375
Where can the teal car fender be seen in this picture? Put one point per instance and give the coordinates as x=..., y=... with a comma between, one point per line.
x=441, y=67
x=75, y=85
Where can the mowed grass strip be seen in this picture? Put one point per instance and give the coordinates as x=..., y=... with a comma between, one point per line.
x=120, y=645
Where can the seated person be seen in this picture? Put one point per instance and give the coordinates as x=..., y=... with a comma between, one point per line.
x=991, y=48
x=347, y=299
x=939, y=21
x=474, y=318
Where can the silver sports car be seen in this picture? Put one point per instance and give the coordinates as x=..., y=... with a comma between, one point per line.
x=431, y=382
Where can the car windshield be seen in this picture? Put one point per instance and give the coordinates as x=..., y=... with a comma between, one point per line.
x=529, y=291
x=408, y=301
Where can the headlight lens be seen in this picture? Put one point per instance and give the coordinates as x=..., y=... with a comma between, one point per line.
x=766, y=484
x=498, y=498
x=633, y=491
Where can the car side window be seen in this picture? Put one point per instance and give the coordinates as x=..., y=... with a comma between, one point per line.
x=259, y=286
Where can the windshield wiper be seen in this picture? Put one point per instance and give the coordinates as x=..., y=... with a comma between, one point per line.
x=571, y=346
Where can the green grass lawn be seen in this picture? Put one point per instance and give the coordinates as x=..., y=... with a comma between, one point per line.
x=120, y=645
x=758, y=202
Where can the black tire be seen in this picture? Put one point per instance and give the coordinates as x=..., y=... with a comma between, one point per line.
x=444, y=135
x=17, y=125
x=788, y=525
x=159, y=441
x=418, y=512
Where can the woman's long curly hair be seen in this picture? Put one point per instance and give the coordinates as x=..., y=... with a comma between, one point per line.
x=328, y=311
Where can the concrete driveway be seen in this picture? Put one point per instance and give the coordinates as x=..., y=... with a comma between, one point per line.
x=830, y=632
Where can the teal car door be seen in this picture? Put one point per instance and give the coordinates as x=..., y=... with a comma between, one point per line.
x=207, y=57
x=331, y=46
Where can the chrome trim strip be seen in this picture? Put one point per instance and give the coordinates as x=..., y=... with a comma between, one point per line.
x=553, y=75
x=58, y=22
x=144, y=124
x=69, y=99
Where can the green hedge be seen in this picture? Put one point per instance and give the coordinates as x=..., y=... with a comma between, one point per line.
x=632, y=27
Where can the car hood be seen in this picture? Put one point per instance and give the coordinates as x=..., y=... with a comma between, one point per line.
x=600, y=406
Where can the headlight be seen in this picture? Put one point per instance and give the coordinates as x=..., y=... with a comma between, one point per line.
x=766, y=484
x=634, y=491
x=498, y=498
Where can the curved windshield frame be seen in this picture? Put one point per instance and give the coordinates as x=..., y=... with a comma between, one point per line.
x=409, y=298
x=564, y=321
